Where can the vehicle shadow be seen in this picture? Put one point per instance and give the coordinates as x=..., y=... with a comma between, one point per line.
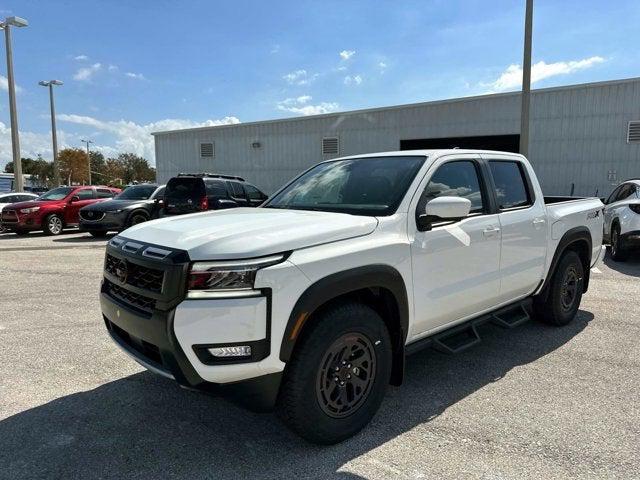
x=144, y=426
x=13, y=236
x=631, y=266
x=86, y=238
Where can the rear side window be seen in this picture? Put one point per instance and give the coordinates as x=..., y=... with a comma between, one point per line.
x=184, y=188
x=104, y=193
x=511, y=186
x=215, y=188
x=86, y=194
x=455, y=179
x=236, y=189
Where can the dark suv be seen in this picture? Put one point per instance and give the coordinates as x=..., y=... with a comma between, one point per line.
x=189, y=193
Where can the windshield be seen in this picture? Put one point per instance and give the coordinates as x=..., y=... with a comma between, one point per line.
x=364, y=186
x=57, y=193
x=137, y=192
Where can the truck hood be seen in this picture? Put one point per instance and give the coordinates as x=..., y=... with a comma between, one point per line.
x=249, y=232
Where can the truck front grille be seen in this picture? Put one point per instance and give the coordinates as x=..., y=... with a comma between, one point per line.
x=129, y=298
x=91, y=215
x=136, y=275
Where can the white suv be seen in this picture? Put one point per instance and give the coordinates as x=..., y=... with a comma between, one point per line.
x=622, y=219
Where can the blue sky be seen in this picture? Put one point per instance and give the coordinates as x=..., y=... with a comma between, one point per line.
x=132, y=67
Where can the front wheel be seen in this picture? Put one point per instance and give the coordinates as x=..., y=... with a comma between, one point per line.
x=136, y=218
x=53, y=225
x=565, y=294
x=337, y=377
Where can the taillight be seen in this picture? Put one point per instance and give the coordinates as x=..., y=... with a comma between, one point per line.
x=635, y=208
x=204, y=203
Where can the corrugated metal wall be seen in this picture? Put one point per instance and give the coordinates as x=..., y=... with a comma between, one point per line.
x=578, y=135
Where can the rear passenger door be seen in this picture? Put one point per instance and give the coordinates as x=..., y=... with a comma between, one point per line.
x=85, y=196
x=455, y=264
x=217, y=195
x=523, y=221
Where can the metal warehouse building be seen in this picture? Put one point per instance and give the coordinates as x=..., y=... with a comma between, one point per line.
x=586, y=136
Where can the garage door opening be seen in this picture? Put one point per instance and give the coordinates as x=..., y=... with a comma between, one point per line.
x=505, y=143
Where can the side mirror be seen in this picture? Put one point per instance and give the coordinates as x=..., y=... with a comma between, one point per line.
x=75, y=198
x=443, y=208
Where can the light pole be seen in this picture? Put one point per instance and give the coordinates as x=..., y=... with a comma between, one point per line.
x=88, y=157
x=54, y=137
x=15, y=140
x=526, y=80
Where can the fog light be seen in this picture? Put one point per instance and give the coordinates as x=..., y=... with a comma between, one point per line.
x=226, y=352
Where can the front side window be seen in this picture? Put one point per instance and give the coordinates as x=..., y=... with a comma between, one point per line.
x=57, y=193
x=510, y=183
x=455, y=179
x=372, y=186
x=86, y=194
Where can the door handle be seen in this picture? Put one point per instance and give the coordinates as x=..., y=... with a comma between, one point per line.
x=538, y=222
x=490, y=231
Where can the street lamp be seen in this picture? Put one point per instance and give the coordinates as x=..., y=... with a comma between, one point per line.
x=15, y=140
x=54, y=137
x=526, y=80
x=88, y=157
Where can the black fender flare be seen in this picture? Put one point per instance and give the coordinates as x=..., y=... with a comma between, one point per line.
x=337, y=284
x=571, y=236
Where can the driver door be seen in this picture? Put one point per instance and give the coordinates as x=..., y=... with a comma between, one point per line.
x=456, y=264
x=85, y=197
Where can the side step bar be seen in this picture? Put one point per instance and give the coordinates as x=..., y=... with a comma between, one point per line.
x=463, y=336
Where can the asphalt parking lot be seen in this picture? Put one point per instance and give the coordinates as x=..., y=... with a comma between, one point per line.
x=532, y=402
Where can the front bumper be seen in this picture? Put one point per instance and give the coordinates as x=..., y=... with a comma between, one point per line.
x=108, y=223
x=170, y=336
x=13, y=220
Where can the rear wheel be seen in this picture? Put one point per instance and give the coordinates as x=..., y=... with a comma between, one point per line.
x=565, y=294
x=53, y=224
x=337, y=377
x=617, y=249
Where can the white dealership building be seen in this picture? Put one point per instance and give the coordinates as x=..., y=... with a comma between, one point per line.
x=584, y=138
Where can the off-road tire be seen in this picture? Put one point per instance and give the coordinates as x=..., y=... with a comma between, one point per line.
x=302, y=402
x=565, y=292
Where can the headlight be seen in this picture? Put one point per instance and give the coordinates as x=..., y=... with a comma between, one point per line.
x=113, y=211
x=216, y=279
x=29, y=210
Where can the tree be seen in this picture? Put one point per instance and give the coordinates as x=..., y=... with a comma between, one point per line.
x=73, y=165
x=98, y=166
x=40, y=170
x=132, y=168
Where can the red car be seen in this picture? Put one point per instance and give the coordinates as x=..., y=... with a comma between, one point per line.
x=53, y=211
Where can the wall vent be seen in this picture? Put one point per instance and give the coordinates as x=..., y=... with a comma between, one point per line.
x=330, y=146
x=206, y=150
x=633, y=132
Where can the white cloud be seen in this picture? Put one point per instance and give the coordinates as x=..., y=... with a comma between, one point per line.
x=352, y=80
x=511, y=78
x=275, y=49
x=137, y=76
x=301, y=106
x=382, y=65
x=299, y=77
x=81, y=58
x=4, y=84
x=136, y=138
x=84, y=74
x=347, y=54
x=112, y=68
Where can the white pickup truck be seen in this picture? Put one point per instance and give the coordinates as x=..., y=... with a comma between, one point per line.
x=311, y=302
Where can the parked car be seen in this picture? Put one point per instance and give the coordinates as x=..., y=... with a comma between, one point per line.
x=622, y=219
x=311, y=302
x=189, y=193
x=7, y=199
x=135, y=204
x=55, y=210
